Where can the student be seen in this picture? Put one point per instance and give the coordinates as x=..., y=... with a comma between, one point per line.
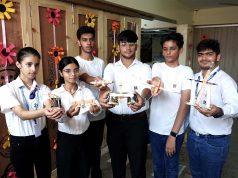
x=77, y=101
x=25, y=117
x=168, y=108
x=127, y=125
x=210, y=134
x=91, y=69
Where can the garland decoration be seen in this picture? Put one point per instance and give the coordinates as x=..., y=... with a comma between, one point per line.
x=5, y=52
x=55, y=52
x=115, y=48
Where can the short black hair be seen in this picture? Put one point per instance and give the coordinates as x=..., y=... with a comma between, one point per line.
x=85, y=29
x=64, y=62
x=127, y=36
x=25, y=52
x=177, y=37
x=206, y=44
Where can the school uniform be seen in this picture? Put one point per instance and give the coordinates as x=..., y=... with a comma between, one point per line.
x=163, y=112
x=95, y=132
x=71, y=150
x=127, y=131
x=209, y=138
x=28, y=138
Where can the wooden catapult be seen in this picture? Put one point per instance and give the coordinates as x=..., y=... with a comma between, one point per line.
x=196, y=94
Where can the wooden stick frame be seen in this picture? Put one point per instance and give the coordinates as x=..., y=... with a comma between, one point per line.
x=206, y=86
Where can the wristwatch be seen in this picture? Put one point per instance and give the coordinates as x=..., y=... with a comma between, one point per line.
x=173, y=134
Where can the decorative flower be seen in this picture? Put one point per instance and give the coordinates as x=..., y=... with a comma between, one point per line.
x=56, y=53
x=56, y=83
x=7, y=53
x=190, y=45
x=53, y=16
x=94, y=52
x=6, y=144
x=12, y=174
x=115, y=25
x=204, y=37
x=115, y=50
x=90, y=20
x=5, y=8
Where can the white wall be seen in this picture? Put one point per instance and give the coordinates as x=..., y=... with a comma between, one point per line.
x=227, y=15
x=148, y=24
x=167, y=8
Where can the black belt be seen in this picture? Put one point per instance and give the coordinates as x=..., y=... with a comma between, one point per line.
x=207, y=135
x=137, y=116
x=43, y=132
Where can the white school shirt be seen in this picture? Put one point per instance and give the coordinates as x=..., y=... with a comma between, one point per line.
x=93, y=68
x=164, y=107
x=124, y=79
x=77, y=124
x=11, y=94
x=223, y=95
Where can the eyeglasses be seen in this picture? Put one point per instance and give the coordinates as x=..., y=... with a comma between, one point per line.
x=68, y=71
x=130, y=44
x=33, y=93
x=207, y=54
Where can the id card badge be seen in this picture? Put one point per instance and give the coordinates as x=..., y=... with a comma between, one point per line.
x=37, y=130
x=195, y=111
x=174, y=86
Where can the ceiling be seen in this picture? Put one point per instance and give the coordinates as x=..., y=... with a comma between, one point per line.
x=205, y=4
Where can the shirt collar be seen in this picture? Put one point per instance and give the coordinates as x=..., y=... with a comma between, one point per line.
x=213, y=71
x=19, y=83
x=62, y=89
x=119, y=63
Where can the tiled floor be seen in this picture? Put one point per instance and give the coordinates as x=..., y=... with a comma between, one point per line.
x=230, y=168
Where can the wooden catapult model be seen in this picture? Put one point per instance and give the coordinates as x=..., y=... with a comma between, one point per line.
x=196, y=94
x=114, y=98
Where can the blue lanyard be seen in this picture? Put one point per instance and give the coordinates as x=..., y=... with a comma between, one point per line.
x=209, y=78
x=25, y=100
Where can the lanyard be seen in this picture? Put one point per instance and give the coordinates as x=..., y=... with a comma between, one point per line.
x=210, y=77
x=26, y=104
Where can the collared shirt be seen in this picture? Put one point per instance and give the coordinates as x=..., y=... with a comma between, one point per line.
x=124, y=80
x=93, y=68
x=12, y=94
x=77, y=124
x=164, y=107
x=224, y=95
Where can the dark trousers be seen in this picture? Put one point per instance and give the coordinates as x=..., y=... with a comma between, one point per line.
x=71, y=156
x=127, y=135
x=94, y=138
x=25, y=152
